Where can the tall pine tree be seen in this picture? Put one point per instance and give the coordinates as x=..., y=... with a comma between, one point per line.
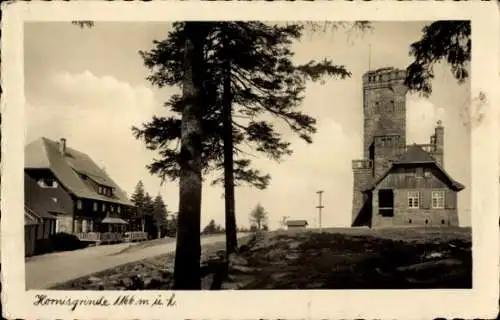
x=148, y=216
x=138, y=198
x=251, y=72
x=159, y=214
x=189, y=159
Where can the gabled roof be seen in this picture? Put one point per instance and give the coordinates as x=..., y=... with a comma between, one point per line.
x=44, y=153
x=30, y=217
x=416, y=155
x=35, y=199
x=296, y=223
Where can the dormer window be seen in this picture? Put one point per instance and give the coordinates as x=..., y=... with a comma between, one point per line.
x=105, y=191
x=47, y=183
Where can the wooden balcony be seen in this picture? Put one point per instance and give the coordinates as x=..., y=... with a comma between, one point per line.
x=133, y=236
x=100, y=237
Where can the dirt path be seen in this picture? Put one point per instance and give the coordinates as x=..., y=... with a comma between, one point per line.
x=45, y=271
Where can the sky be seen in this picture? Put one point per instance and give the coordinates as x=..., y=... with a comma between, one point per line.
x=89, y=86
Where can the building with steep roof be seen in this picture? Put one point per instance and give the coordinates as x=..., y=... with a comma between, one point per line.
x=38, y=228
x=397, y=184
x=66, y=183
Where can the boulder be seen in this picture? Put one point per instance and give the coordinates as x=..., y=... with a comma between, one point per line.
x=433, y=255
x=424, y=266
x=206, y=282
x=294, y=245
x=93, y=279
x=241, y=269
x=237, y=260
x=292, y=256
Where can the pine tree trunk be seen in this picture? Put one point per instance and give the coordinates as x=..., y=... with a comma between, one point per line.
x=188, y=250
x=231, y=239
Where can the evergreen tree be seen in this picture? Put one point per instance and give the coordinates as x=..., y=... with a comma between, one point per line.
x=159, y=214
x=251, y=72
x=211, y=228
x=441, y=40
x=172, y=224
x=147, y=218
x=258, y=217
x=138, y=198
x=187, y=272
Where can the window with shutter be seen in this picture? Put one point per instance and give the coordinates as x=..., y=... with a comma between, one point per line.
x=426, y=199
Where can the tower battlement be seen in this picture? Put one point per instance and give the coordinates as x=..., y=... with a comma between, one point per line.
x=383, y=77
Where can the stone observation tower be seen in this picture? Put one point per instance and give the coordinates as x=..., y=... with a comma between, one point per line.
x=384, y=140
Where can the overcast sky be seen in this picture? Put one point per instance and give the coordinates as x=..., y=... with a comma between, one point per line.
x=88, y=85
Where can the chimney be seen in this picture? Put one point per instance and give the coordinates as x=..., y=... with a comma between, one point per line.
x=439, y=140
x=439, y=136
x=62, y=146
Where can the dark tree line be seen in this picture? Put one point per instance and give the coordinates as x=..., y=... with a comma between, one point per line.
x=148, y=214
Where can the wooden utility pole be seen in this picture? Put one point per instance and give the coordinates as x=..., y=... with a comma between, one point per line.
x=320, y=206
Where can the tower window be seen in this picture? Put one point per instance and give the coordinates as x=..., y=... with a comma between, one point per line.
x=47, y=183
x=427, y=173
x=413, y=199
x=437, y=199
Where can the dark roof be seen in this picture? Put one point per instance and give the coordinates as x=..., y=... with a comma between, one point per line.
x=30, y=217
x=416, y=155
x=34, y=199
x=296, y=223
x=44, y=153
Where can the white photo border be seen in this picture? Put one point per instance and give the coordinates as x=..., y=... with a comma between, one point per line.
x=479, y=302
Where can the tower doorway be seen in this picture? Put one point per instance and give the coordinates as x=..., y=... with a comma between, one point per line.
x=386, y=202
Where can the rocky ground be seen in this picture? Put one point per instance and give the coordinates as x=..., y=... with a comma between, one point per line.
x=340, y=261
x=313, y=260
